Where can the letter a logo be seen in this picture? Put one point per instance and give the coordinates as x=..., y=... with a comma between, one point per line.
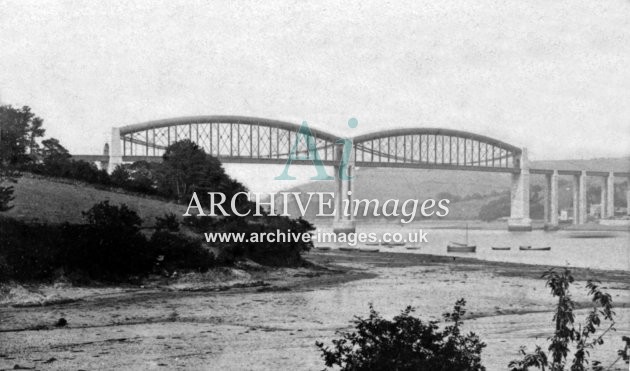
x=304, y=133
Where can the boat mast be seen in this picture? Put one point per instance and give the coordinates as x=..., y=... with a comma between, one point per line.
x=466, y=234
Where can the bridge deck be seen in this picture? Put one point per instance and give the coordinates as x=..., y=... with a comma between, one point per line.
x=280, y=161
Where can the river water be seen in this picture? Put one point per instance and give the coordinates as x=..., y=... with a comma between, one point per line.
x=611, y=252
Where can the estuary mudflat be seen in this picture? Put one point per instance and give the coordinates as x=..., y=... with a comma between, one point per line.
x=270, y=319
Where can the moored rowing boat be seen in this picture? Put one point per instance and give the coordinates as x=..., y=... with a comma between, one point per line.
x=369, y=249
x=460, y=248
x=592, y=234
x=529, y=248
x=453, y=243
x=348, y=249
x=392, y=244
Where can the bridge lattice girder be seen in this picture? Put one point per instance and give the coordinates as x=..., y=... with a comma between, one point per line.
x=434, y=148
x=257, y=140
x=229, y=138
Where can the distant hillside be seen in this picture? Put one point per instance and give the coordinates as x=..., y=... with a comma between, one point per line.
x=403, y=184
x=621, y=164
x=59, y=201
x=416, y=183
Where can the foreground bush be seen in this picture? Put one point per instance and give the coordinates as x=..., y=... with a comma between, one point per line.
x=69, y=169
x=406, y=343
x=28, y=251
x=177, y=252
x=109, y=247
x=567, y=335
x=275, y=254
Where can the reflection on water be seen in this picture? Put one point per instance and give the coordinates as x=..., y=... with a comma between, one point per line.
x=611, y=253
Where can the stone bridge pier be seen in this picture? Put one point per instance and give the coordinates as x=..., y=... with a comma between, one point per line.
x=344, y=192
x=580, y=190
x=519, y=207
x=115, y=151
x=608, y=196
x=551, y=200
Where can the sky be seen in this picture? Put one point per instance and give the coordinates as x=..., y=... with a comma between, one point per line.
x=552, y=76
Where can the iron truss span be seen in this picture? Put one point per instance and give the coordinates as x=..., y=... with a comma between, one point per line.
x=259, y=140
x=434, y=148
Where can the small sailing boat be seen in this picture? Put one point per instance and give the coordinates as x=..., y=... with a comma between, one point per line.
x=461, y=247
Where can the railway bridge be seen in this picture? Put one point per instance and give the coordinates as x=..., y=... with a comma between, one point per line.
x=251, y=140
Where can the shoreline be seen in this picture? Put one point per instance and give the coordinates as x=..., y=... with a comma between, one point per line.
x=537, y=225
x=401, y=259
x=323, y=269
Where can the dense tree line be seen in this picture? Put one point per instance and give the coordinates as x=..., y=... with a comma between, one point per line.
x=186, y=167
x=109, y=244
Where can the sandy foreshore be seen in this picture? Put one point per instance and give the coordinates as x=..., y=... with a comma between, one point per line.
x=251, y=317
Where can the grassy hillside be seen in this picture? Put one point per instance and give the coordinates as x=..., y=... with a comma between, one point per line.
x=55, y=201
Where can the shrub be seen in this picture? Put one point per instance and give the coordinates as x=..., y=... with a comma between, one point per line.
x=70, y=169
x=6, y=196
x=406, y=343
x=177, y=252
x=167, y=222
x=120, y=176
x=137, y=177
x=103, y=253
x=7, y=174
x=110, y=246
x=277, y=253
x=624, y=354
x=27, y=251
x=582, y=337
